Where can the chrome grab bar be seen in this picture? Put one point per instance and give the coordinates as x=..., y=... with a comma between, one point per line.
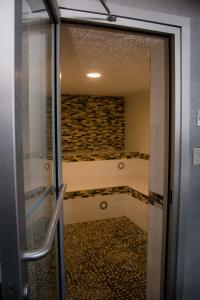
x=42, y=251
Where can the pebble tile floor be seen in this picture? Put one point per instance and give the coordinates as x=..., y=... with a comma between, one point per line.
x=105, y=260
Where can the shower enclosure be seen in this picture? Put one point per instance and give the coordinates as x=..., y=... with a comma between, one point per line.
x=113, y=144
x=31, y=198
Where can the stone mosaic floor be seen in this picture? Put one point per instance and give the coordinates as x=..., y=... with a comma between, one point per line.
x=105, y=260
x=42, y=273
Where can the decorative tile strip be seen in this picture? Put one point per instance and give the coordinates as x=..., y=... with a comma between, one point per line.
x=36, y=155
x=155, y=199
x=35, y=192
x=38, y=201
x=102, y=156
x=107, y=191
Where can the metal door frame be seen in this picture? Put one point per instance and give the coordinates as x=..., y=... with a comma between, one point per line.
x=178, y=29
x=13, y=269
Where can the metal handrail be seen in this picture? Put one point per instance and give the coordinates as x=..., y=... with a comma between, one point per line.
x=42, y=251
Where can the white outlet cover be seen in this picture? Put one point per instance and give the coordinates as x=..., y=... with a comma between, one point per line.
x=196, y=156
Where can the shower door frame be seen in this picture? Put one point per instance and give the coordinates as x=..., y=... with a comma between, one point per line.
x=14, y=281
x=177, y=29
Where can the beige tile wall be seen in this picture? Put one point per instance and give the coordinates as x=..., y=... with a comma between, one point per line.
x=157, y=115
x=87, y=209
x=137, y=122
x=156, y=182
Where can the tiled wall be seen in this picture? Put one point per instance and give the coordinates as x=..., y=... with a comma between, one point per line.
x=115, y=205
x=157, y=118
x=97, y=174
x=92, y=123
x=37, y=109
x=137, y=115
x=156, y=183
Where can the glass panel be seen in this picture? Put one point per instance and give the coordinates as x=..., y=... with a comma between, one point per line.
x=38, y=142
x=42, y=276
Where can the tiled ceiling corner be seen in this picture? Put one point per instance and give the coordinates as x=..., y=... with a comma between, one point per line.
x=122, y=57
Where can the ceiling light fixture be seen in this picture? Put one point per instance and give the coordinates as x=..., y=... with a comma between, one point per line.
x=93, y=75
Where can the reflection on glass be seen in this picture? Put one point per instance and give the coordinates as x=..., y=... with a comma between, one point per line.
x=37, y=141
x=42, y=275
x=37, y=115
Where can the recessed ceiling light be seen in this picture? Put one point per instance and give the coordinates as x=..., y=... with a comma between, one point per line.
x=93, y=75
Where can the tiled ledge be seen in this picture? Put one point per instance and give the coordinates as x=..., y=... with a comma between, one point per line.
x=103, y=156
x=138, y=183
x=153, y=199
x=36, y=192
x=107, y=191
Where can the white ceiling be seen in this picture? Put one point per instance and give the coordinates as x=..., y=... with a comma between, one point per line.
x=123, y=59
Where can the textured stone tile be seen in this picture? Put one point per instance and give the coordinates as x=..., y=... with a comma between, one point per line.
x=105, y=260
x=92, y=123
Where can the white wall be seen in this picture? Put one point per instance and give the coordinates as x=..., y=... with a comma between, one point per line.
x=37, y=89
x=85, y=175
x=154, y=250
x=35, y=115
x=158, y=98
x=87, y=209
x=137, y=120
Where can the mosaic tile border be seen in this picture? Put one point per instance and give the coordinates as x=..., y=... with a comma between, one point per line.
x=103, y=156
x=36, y=155
x=34, y=192
x=107, y=191
x=155, y=199
x=33, y=206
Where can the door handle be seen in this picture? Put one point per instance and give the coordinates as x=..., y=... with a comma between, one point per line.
x=36, y=254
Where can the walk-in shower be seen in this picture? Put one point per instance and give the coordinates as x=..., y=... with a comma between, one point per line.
x=107, y=144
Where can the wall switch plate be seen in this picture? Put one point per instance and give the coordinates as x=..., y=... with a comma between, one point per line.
x=196, y=156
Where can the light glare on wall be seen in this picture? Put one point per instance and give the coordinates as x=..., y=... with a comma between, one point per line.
x=93, y=75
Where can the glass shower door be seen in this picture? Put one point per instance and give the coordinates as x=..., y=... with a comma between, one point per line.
x=35, y=242
x=39, y=158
